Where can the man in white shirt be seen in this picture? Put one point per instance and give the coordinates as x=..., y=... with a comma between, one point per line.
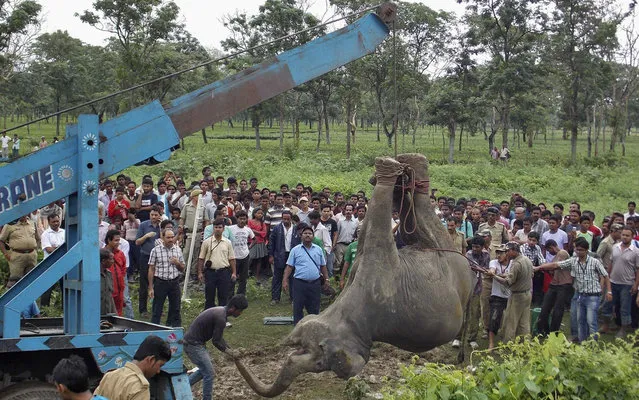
x=631, y=209
x=239, y=238
x=52, y=238
x=5, y=144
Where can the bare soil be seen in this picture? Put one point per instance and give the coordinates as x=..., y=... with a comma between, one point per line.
x=265, y=363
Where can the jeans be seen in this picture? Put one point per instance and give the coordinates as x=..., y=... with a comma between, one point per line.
x=242, y=271
x=305, y=295
x=143, y=290
x=128, y=306
x=330, y=260
x=200, y=357
x=217, y=281
x=554, y=301
x=621, y=295
x=574, y=322
x=134, y=258
x=163, y=289
x=276, y=284
x=587, y=307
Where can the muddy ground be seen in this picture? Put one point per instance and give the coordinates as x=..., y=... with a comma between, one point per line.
x=265, y=363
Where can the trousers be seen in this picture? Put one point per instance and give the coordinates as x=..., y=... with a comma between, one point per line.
x=200, y=357
x=554, y=301
x=217, y=281
x=242, y=271
x=163, y=289
x=517, y=316
x=306, y=295
x=143, y=290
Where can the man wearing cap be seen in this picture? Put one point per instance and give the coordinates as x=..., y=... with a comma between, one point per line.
x=498, y=231
x=587, y=272
x=499, y=294
x=519, y=281
x=604, y=251
x=309, y=263
x=187, y=216
x=559, y=292
x=304, y=210
x=480, y=256
x=486, y=282
x=23, y=240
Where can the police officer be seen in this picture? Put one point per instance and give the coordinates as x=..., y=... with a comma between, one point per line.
x=519, y=280
x=23, y=239
x=309, y=263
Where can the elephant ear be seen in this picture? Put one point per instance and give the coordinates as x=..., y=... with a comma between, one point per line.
x=345, y=363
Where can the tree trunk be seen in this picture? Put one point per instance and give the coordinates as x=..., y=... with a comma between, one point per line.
x=349, y=112
x=461, y=135
x=231, y=123
x=204, y=135
x=319, y=130
x=505, y=121
x=325, y=115
x=451, y=141
x=378, y=138
x=256, y=125
x=281, y=123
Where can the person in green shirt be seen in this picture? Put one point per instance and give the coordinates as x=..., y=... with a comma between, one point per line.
x=349, y=259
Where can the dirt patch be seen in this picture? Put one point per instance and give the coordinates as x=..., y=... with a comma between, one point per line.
x=265, y=363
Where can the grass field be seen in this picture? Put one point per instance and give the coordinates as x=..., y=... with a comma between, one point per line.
x=543, y=173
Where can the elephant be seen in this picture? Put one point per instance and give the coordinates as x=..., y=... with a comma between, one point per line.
x=413, y=298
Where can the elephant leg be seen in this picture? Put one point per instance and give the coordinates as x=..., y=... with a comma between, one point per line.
x=376, y=238
x=421, y=225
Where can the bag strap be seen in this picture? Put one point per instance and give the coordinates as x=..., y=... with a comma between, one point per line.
x=309, y=256
x=208, y=255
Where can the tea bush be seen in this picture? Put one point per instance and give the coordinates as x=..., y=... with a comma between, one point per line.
x=552, y=369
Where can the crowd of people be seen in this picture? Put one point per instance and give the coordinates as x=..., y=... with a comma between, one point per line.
x=215, y=232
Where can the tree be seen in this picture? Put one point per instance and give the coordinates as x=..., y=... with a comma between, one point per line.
x=450, y=100
x=59, y=61
x=581, y=31
x=276, y=19
x=508, y=31
x=19, y=22
x=138, y=28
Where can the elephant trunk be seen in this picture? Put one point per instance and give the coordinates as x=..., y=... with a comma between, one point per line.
x=294, y=366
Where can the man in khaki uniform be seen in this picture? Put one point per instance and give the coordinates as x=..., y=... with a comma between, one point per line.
x=23, y=240
x=187, y=216
x=519, y=280
x=131, y=381
x=498, y=232
x=459, y=242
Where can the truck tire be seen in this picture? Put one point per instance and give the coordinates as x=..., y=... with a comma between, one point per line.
x=33, y=390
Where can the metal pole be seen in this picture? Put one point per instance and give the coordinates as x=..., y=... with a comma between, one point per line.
x=187, y=274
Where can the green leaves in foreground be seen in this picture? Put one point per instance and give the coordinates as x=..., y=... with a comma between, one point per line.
x=554, y=369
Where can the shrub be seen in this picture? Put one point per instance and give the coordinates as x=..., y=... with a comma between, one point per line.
x=554, y=369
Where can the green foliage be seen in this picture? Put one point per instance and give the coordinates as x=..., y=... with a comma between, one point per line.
x=356, y=389
x=552, y=369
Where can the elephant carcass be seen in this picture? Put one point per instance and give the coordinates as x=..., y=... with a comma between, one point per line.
x=413, y=298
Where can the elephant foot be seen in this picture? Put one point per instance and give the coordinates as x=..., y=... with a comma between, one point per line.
x=387, y=170
x=419, y=166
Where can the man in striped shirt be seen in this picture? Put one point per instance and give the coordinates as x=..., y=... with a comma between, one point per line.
x=587, y=273
x=165, y=264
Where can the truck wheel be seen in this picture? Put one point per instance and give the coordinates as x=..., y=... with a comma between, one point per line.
x=34, y=390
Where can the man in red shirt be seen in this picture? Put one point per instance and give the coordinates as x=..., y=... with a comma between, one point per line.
x=118, y=269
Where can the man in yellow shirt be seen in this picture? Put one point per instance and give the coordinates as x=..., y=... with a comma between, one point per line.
x=131, y=381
